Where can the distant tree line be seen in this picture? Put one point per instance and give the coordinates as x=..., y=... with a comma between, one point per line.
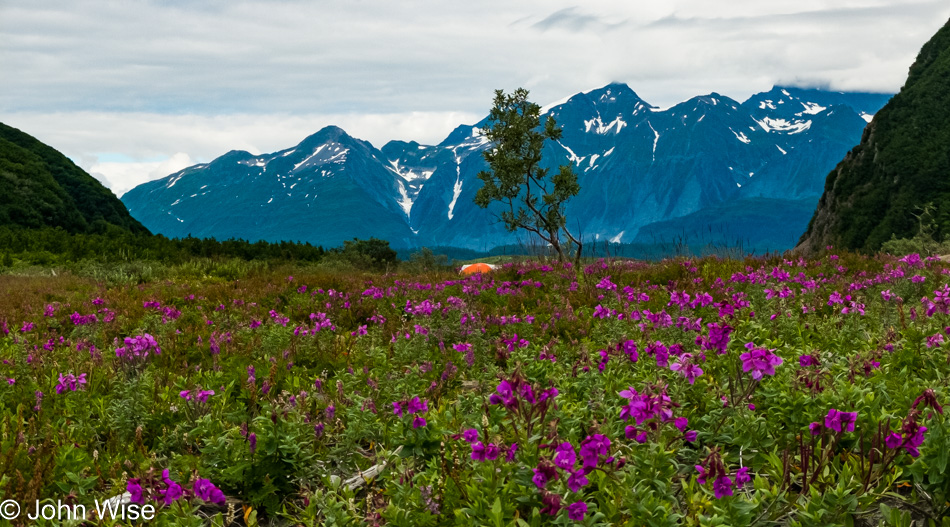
x=51, y=245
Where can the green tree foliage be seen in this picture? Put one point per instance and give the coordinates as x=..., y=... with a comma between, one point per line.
x=40, y=187
x=532, y=200
x=47, y=246
x=425, y=261
x=372, y=254
x=902, y=162
x=923, y=242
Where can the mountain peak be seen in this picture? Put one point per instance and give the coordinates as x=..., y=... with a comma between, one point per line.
x=327, y=133
x=615, y=91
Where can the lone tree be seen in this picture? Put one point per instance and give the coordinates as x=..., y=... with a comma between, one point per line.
x=534, y=201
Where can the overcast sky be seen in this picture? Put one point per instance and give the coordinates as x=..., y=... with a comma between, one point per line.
x=134, y=90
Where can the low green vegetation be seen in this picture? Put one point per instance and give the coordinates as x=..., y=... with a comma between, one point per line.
x=761, y=391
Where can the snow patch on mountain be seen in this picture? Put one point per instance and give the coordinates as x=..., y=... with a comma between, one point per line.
x=457, y=189
x=405, y=201
x=573, y=157
x=812, y=108
x=782, y=125
x=602, y=129
x=308, y=158
x=407, y=173
x=656, y=139
x=740, y=136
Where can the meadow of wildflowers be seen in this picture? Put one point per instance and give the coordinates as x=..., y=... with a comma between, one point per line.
x=763, y=391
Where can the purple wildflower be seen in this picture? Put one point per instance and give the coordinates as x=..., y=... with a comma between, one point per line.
x=840, y=421
x=510, y=455
x=577, y=480
x=564, y=456
x=742, y=477
x=470, y=435
x=722, y=487
x=576, y=511
x=760, y=361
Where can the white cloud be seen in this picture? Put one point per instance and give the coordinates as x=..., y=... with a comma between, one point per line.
x=127, y=149
x=150, y=79
x=125, y=175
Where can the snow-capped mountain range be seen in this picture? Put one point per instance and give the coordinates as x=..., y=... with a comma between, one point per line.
x=639, y=167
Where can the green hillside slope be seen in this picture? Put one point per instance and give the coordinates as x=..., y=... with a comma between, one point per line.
x=903, y=162
x=40, y=187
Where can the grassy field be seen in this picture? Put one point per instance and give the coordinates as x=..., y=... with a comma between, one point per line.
x=683, y=392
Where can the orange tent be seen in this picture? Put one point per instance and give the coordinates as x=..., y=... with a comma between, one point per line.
x=477, y=268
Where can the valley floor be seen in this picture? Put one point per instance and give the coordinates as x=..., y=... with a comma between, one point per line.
x=709, y=391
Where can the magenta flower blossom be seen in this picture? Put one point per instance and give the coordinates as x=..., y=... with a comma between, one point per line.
x=592, y=447
x=564, y=456
x=416, y=406
x=205, y=490
x=577, y=480
x=687, y=368
x=138, y=347
x=510, y=455
x=478, y=451
x=701, y=478
x=807, y=360
x=935, y=340
x=759, y=361
x=840, y=421
x=718, y=339
x=630, y=431
x=135, y=490
x=576, y=511
x=470, y=435
x=646, y=406
x=630, y=350
x=252, y=441
x=196, y=395
x=70, y=382
x=505, y=395
x=893, y=440
x=543, y=474
x=722, y=487
x=742, y=477
x=552, y=503
x=418, y=422
x=912, y=438
x=173, y=491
